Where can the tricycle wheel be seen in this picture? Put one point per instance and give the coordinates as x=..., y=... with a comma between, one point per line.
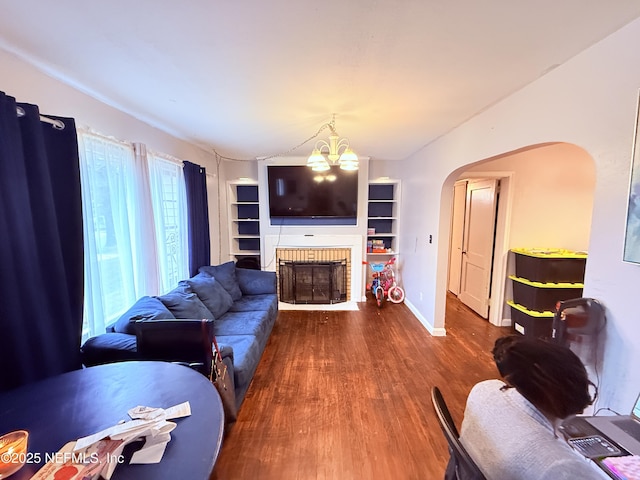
x=396, y=294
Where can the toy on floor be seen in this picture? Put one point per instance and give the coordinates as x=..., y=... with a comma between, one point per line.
x=383, y=284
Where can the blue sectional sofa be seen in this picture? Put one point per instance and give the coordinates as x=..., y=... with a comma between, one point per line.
x=242, y=302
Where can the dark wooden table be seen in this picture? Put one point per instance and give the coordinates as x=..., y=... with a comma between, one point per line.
x=79, y=403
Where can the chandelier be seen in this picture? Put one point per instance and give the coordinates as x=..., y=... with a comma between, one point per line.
x=337, y=152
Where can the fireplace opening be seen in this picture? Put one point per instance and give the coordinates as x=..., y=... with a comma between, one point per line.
x=321, y=282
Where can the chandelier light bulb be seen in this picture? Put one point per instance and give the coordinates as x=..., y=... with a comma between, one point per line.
x=347, y=160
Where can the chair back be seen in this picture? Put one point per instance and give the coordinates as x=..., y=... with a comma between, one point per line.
x=577, y=317
x=461, y=465
x=183, y=341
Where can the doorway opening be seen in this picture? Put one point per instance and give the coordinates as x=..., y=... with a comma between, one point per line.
x=542, y=190
x=473, y=241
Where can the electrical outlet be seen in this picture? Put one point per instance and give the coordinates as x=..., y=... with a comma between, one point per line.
x=420, y=296
x=430, y=238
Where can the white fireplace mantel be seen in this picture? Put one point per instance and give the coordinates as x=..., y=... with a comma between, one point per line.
x=354, y=242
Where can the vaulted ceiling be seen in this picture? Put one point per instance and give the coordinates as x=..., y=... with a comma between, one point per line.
x=253, y=78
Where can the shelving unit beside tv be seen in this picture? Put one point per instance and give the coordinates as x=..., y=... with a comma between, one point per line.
x=244, y=220
x=383, y=206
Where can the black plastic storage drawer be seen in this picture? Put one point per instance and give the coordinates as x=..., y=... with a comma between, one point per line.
x=529, y=323
x=550, y=266
x=542, y=297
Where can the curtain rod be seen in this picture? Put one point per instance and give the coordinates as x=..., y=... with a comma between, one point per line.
x=59, y=124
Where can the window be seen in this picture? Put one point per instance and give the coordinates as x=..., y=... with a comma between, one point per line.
x=169, y=198
x=135, y=234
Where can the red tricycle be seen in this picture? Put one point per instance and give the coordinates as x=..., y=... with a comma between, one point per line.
x=383, y=284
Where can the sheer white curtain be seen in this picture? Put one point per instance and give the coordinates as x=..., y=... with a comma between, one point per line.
x=135, y=226
x=147, y=271
x=169, y=197
x=107, y=176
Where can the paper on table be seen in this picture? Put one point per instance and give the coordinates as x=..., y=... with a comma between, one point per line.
x=178, y=411
x=102, y=451
x=97, y=460
x=148, y=423
x=137, y=427
x=131, y=427
x=146, y=413
x=150, y=413
x=153, y=449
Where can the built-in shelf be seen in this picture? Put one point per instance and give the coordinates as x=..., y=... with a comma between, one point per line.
x=244, y=219
x=382, y=218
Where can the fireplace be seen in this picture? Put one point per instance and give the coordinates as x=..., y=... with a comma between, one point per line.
x=319, y=282
x=319, y=248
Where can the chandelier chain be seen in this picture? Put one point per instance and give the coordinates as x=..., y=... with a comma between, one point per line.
x=330, y=125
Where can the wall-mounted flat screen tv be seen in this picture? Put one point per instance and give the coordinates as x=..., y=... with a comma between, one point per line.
x=300, y=196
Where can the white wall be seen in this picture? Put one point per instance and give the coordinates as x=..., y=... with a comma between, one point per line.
x=28, y=84
x=552, y=199
x=589, y=102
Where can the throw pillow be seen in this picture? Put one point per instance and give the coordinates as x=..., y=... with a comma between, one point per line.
x=256, y=282
x=146, y=308
x=183, y=303
x=226, y=275
x=211, y=292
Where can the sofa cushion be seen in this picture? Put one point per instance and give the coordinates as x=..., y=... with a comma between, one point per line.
x=267, y=302
x=109, y=348
x=146, y=308
x=211, y=292
x=256, y=282
x=183, y=303
x=257, y=323
x=226, y=275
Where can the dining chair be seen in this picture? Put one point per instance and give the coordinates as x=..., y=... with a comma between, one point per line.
x=461, y=466
x=184, y=341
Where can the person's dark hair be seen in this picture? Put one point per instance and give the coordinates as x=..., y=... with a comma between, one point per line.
x=550, y=376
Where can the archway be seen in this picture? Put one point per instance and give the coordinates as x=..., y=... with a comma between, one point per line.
x=546, y=201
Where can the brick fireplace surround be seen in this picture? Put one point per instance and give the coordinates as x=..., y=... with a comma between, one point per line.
x=310, y=257
x=320, y=248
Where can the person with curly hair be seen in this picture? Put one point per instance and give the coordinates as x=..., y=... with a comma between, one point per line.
x=510, y=425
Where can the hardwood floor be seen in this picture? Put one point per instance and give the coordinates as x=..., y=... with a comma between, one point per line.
x=346, y=395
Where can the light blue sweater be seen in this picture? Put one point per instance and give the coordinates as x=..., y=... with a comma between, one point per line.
x=511, y=440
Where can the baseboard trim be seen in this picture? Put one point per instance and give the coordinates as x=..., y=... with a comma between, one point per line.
x=505, y=322
x=436, y=332
x=340, y=306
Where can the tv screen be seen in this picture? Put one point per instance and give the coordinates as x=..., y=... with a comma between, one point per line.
x=300, y=196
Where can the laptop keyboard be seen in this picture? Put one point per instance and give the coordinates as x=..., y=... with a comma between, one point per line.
x=628, y=426
x=594, y=447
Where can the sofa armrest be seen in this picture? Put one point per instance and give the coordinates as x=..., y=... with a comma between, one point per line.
x=226, y=351
x=109, y=348
x=256, y=282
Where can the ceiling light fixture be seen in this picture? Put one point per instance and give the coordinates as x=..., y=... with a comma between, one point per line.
x=337, y=151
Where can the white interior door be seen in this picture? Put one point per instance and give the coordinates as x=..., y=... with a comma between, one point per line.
x=477, y=252
x=457, y=235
